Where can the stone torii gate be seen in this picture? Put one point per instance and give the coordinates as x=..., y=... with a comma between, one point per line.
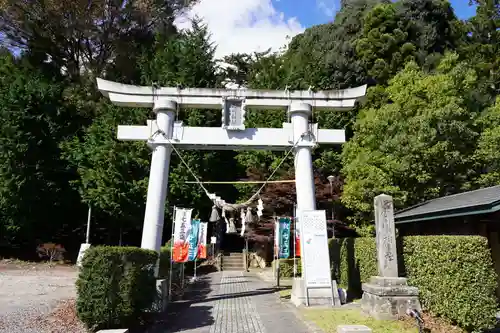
x=233, y=135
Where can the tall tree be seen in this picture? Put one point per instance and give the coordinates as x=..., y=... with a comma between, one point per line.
x=483, y=45
x=394, y=34
x=94, y=36
x=324, y=55
x=114, y=175
x=487, y=154
x=36, y=203
x=408, y=146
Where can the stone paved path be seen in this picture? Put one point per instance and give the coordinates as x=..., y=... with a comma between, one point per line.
x=232, y=302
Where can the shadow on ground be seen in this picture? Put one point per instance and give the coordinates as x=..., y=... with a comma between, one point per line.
x=260, y=291
x=285, y=292
x=184, y=314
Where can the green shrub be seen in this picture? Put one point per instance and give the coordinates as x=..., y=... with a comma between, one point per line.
x=286, y=267
x=116, y=285
x=357, y=262
x=454, y=274
x=164, y=261
x=455, y=277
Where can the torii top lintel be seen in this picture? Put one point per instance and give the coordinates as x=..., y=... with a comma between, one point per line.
x=203, y=98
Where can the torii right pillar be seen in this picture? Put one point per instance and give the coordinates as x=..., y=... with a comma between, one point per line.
x=306, y=201
x=304, y=177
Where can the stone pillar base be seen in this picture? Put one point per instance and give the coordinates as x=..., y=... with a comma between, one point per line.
x=317, y=297
x=161, y=295
x=388, y=298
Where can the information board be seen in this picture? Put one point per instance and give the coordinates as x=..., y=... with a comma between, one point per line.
x=314, y=242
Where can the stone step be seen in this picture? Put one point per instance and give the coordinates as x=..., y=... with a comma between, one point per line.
x=224, y=264
x=232, y=268
x=232, y=259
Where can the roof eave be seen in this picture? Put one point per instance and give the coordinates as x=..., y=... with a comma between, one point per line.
x=474, y=210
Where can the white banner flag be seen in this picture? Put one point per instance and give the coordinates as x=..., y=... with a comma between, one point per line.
x=182, y=224
x=202, y=240
x=276, y=238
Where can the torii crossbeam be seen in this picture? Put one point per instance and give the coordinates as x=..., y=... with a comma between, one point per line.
x=233, y=135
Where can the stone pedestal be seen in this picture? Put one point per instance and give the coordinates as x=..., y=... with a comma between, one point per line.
x=162, y=295
x=83, y=247
x=388, y=298
x=317, y=297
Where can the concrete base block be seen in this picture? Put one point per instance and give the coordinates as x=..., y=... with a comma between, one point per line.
x=388, y=298
x=162, y=295
x=119, y=330
x=317, y=297
x=353, y=329
x=83, y=247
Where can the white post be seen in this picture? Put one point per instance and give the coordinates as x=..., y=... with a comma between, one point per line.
x=294, y=240
x=88, y=226
x=86, y=245
x=158, y=178
x=304, y=178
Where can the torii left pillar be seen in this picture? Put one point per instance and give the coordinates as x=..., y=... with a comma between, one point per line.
x=158, y=178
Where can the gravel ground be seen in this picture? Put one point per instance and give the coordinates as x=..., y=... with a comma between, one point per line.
x=31, y=295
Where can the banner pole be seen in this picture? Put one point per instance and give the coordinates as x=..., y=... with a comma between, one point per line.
x=278, y=249
x=274, y=248
x=294, y=239
x=182, y=278
x=171, y=257
x=195, y=260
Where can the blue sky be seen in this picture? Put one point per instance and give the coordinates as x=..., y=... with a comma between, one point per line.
x=462, y=9
x=323, y=11
x=257, y=25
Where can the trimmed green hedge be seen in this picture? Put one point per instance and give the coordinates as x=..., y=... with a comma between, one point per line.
x=164, y=261
x=116, y=285
x=454, y=274
x=356, y=263
x=286, y=267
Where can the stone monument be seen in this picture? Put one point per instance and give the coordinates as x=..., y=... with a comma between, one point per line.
x=387, y=296
x=315, y=287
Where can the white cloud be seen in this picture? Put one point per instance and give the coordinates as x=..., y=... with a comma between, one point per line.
x=243, y=25
x=328, y=7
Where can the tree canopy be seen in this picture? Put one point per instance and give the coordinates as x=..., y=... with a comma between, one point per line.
x=419, y=144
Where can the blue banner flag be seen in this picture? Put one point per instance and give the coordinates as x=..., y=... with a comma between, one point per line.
x=193, y=240
x=284, y=237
